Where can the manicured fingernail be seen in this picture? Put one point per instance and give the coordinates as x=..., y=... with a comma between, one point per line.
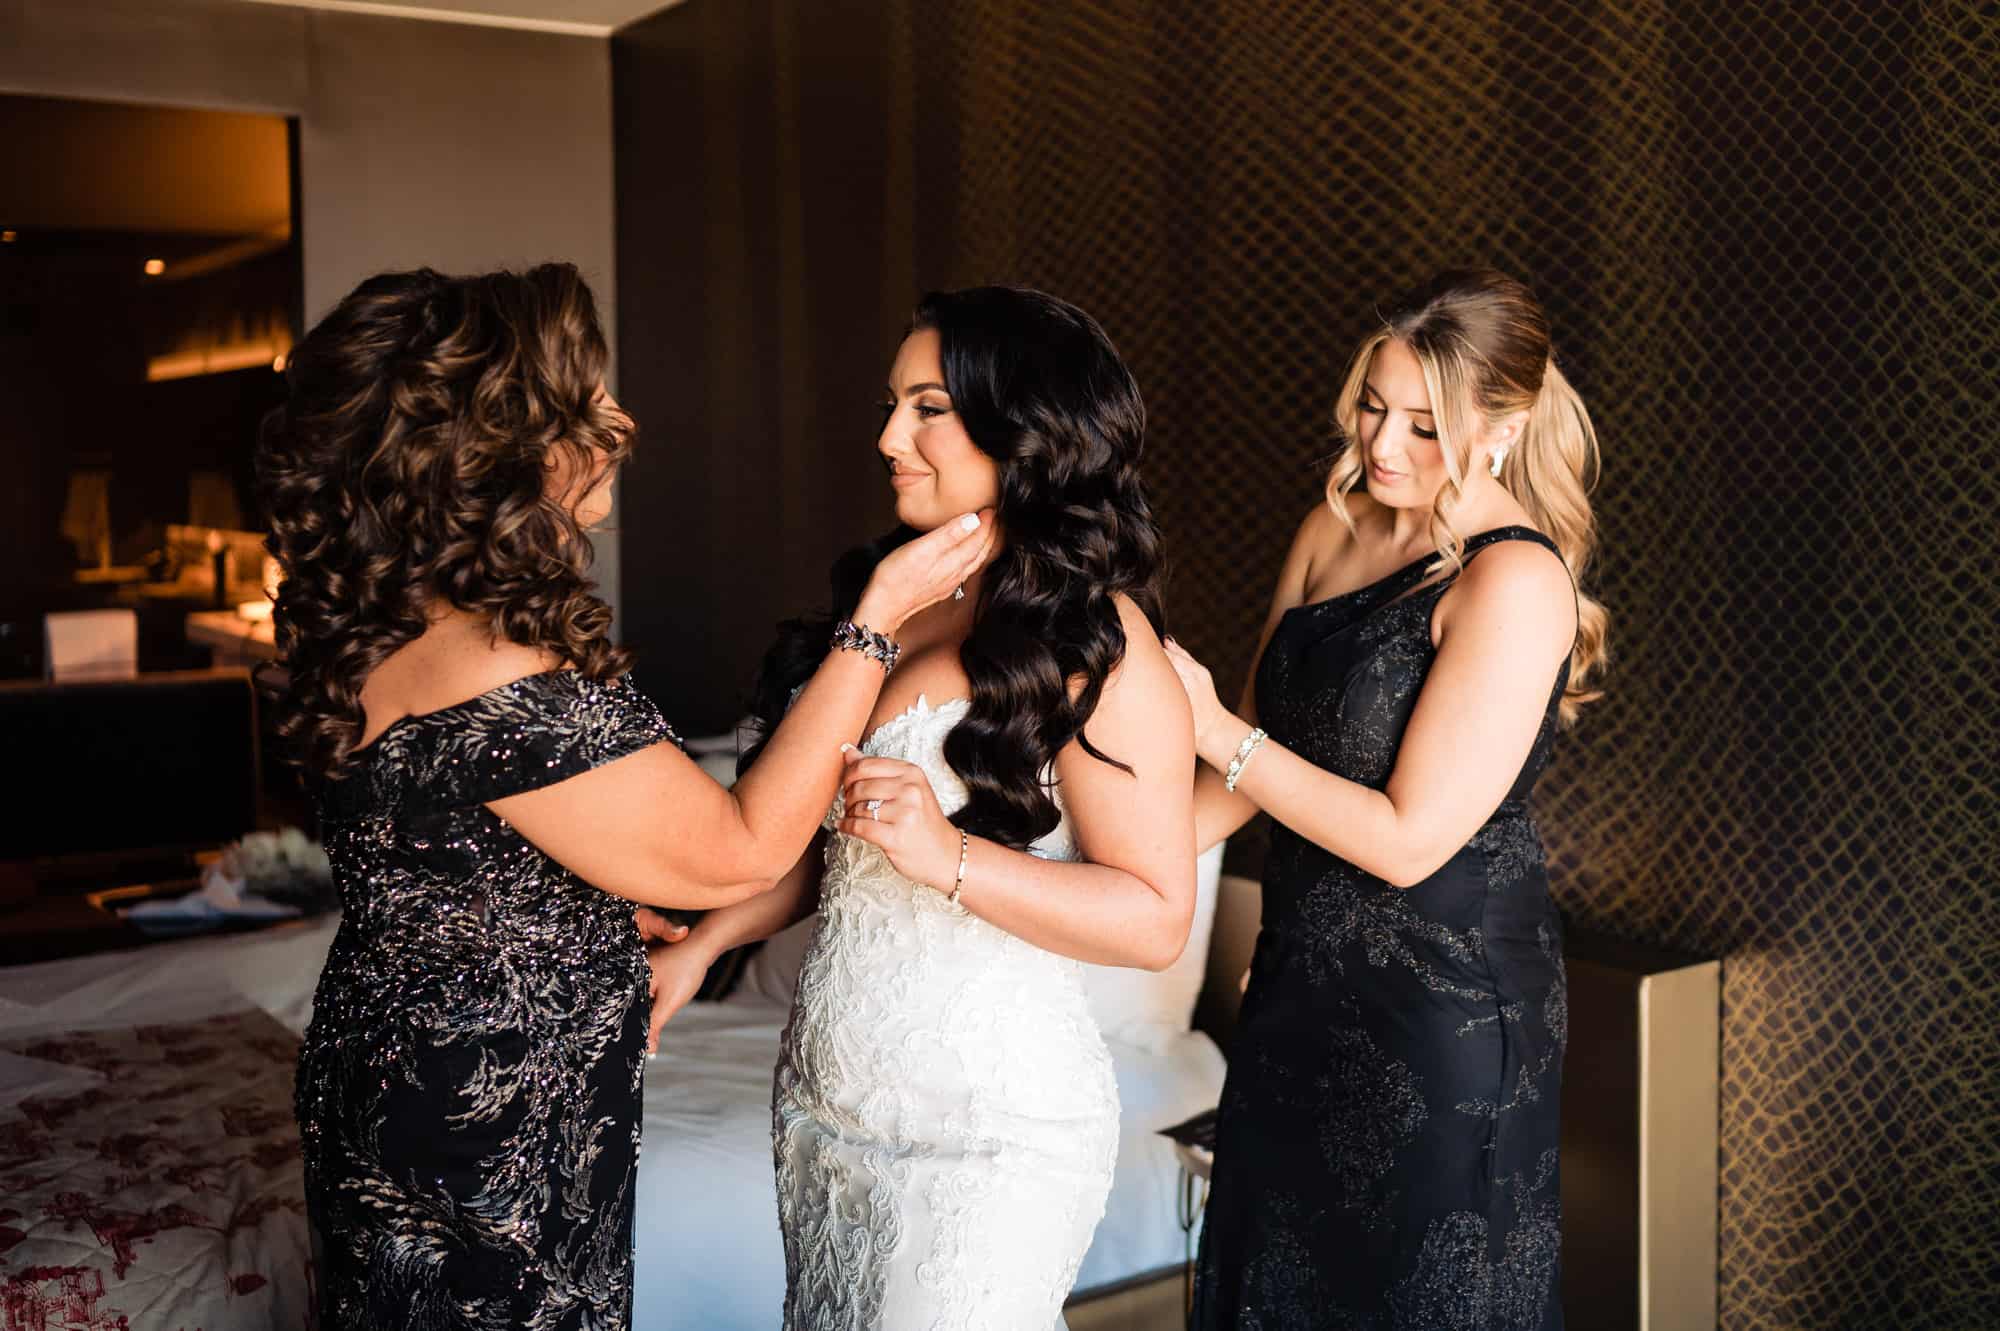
x=847, y=748
x=970, y=522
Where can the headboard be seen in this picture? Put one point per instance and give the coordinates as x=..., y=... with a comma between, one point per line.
x=163, y=759
x=1239, y=909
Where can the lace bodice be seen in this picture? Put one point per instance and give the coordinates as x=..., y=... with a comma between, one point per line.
x=916, y=736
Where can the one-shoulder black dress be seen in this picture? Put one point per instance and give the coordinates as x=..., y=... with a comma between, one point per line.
x=469, y=1088
x=1386, y=1152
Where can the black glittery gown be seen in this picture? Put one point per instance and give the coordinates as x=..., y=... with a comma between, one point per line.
x=1386, y=1152
x=469, y=1089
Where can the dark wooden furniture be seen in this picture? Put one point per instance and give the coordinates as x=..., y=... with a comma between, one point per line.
x=120, y=790
x=101, y=766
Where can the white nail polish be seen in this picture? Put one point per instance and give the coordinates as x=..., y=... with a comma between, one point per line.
x=970, y=522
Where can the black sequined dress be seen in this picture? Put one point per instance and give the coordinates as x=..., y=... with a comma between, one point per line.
x=469, y=1089
x=1386, y=1152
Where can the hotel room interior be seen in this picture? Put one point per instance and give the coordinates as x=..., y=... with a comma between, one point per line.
x=1765, y=232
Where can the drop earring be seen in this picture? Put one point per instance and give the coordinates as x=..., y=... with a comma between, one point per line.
x=1499, y=456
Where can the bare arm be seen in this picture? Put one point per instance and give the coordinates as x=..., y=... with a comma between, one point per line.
x=1217, y=812
x=1131, y=902
x=678, y=958
x=653, y=827
x=1509, y=624
x=793, y=898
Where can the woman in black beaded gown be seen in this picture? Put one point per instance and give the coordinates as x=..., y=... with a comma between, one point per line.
x=495, y=796
x=1386, y=1158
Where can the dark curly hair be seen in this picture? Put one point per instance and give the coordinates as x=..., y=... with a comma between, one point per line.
x=410, y=466
x=1042, y=391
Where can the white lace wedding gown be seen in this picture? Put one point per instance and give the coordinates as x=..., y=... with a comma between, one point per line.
x=945, y=1119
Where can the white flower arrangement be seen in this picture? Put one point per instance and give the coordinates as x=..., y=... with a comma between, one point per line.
x=283, y=858
x=265, y=876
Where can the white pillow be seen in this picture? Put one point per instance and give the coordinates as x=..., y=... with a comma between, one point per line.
x=1147, y=1009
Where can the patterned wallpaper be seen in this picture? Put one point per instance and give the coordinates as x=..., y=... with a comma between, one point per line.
x=1767, y=235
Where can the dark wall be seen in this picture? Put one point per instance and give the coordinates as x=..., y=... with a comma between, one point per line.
x=1765, y=233
x=770, y=251
x=78, y=323
x=457, y=146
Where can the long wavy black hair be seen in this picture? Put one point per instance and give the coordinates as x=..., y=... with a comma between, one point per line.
x=1041, y=391
x=410, y=468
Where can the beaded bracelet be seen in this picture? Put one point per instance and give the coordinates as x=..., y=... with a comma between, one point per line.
x=1242, y=758
x=851, y=637
x=964, y=849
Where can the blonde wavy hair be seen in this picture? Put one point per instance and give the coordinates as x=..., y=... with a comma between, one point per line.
x=1483, y=341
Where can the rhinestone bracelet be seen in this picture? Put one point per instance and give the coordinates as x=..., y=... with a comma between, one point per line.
x=1242, y=758
x=851, y=637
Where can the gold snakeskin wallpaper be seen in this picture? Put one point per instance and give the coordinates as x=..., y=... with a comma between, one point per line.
x=1767, y=234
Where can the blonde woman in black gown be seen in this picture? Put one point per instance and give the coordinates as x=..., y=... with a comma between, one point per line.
x=1386, y=1156
x=495, y=796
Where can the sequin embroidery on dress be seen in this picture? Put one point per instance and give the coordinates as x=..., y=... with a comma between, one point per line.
x=945, y=1119
x=468, y=1091
x=1386, y=1154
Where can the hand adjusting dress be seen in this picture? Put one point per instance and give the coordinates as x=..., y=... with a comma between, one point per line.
x=945, y=1118
x=1386, y=1154
x=469, y=1088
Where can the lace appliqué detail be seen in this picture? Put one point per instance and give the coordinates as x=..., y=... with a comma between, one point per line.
x=944, y=1115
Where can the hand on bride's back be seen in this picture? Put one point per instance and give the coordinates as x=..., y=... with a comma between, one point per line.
x=925, y=571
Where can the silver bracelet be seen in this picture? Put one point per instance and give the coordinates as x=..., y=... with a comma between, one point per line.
x=1242, y=758
x=879, y=647
x=964, y=850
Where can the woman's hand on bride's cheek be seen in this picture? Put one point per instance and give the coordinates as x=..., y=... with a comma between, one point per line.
x=890, y=804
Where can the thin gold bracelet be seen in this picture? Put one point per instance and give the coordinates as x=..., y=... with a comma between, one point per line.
x=964, y=850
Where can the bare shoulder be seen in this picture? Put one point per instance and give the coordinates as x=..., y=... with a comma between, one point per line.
x=1323, y=540
x=1144, y=672
x=1322, y=544
x=1321, y=532
x=455, y=660
x=1521, y=587
x=490, y=664
x=1143, y=711
x=1139, y=630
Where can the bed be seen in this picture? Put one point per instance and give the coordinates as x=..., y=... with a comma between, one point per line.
x=710, y=1258
x=149, y=1166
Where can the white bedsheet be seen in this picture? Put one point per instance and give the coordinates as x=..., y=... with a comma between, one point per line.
x=709, y=1255
x=273, y=970
x=149, y=1165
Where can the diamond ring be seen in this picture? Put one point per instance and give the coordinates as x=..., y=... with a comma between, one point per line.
x=874, y=808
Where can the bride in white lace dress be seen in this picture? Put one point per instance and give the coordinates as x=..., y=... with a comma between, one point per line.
x=945, y=1119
